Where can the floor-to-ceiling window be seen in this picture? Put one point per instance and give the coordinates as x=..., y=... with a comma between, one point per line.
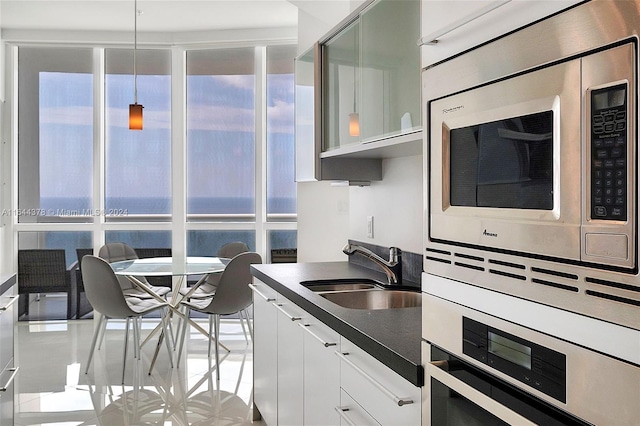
x=83, y=178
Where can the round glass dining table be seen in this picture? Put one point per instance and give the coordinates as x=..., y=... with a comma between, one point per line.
x=168, y=266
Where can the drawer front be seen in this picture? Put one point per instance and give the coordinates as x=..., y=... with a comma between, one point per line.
x=352, y=414
x=388, y=397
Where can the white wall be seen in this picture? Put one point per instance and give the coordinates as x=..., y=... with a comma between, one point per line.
x=395, y=204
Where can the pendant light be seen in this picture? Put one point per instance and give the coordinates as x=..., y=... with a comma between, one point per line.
x=135, y=109
x=354, y=117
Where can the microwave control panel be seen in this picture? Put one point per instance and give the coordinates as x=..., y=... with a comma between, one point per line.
x=609, y=180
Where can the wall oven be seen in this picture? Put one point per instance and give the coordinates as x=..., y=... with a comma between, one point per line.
x=515, y=366
x=532, y=163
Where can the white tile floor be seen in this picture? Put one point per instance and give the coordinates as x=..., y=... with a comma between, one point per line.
x=52, y=389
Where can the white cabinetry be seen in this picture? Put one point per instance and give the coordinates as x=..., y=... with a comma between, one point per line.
x=461, y=25
x=8, y=369
x=321, y=373
x=382, y=393
x=290, y=363
x=265, y=352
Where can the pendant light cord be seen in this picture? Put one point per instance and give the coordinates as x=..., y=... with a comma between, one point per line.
x=135, y=47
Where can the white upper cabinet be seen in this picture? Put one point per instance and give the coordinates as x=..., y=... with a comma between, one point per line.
x=450, y=27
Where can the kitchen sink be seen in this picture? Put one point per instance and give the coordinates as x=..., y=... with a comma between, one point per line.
x=376, y=299
x=364, y=294
x=342, y=285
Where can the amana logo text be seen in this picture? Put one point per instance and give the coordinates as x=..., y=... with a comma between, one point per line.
x=489, y=234
x=454, y=109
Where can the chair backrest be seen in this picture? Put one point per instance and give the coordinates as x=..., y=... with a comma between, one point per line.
x=42, y=269
x=231, y=250
x=82, y=252
x=103, y=289
x=116, y=252
x=233, y=293
x=146, y=252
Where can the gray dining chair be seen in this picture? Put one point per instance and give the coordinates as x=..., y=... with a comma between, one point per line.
x=232, y=296
x=207, y=287
x=105, y=295
x=116, y=252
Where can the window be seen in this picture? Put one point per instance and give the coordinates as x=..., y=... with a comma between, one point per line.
x=140, y=239
x=207, y=243
x=55, y=148
x=138, y=163
x=281, y=186
x=67, y=240
x=221, y=133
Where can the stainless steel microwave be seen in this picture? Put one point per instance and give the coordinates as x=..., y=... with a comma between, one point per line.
x=541, y=163
x=531, y=163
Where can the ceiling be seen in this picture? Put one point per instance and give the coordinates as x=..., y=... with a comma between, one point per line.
x=157, y=15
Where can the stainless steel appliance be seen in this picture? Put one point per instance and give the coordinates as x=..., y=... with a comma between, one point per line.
x=494, y=359
x=532, y=163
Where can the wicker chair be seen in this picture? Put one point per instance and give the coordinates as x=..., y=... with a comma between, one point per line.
x=80, y=252
x=144, y=253
x=43, y=271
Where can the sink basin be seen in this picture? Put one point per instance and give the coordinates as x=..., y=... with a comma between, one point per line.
x=375, y=299
x=323, y=286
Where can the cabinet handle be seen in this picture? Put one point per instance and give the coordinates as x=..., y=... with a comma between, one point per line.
x=380, y=386
x=434, y=370
x=342, y=412
x=286, y=314
x=13, y=376
x=8, y=305
x=433, y=37
x=305, y=327
x=256, y=291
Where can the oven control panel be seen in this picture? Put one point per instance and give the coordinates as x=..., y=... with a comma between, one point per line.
x=537, y=366
x=609, y=153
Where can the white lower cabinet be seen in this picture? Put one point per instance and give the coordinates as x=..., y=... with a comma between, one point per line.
x=321, y=373
x=290, y=363
x=352, y=414
x=305, y=373
x=382, y=393
x=265, y=352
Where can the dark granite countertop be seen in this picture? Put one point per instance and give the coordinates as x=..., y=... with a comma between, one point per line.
x=390, y=335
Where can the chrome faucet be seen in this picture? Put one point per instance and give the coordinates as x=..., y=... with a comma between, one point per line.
x=392, y=267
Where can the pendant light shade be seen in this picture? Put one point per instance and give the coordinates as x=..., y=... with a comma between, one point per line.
x=135, y=116
x=354, y=124
x=135, y=109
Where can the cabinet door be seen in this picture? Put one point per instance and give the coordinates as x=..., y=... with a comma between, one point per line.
x=321, y=374
x=8, y=371
x=390, y=69
x=290, y=364
x=265, y=352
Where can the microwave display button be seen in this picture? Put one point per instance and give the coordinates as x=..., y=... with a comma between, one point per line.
x=598, y=192
x=619, y=201
x=620, y=163
x=608, y=174
x=609, y=143
x=609, y=117
x=616, y=152
x=619, y=173
x=602, y=154
x=619, y=141
x=620, y=126
x=608, y=164
x=600, y=211
x=608, y=192
x=598, y=129
x=617, y=212
x=608, y=183
x=621, y=115
x=610, y=127
x=620, y=187
x=598, y=119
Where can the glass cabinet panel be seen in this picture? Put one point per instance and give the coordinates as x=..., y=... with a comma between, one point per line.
x=390, y=69
x=340, y=66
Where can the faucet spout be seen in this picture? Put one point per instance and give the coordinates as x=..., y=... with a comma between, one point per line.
x=392, y=267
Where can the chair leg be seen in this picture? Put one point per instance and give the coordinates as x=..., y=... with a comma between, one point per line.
x=217, y=335
x=96, y=333
x=126, y=342
x=246, y=316
x=103, y=331
x=136, y=339
x=210, y=336
x=185, y=323
x=244, y=330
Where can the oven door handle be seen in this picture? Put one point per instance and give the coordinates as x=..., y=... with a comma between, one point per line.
x=475, y=396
